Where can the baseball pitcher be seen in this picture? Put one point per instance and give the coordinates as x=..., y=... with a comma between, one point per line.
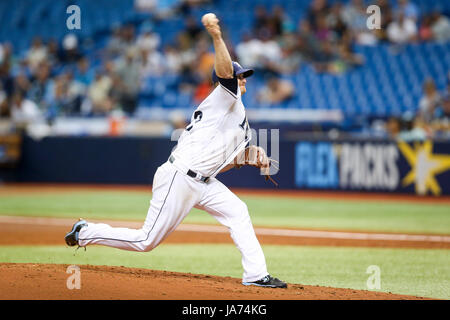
x=215, y=141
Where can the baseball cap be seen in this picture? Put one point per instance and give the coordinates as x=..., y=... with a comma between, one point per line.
x=237, y=70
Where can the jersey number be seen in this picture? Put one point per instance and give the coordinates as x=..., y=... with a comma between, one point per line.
x=197, y=117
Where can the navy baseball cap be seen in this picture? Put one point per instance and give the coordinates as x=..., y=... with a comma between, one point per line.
x=237, y=69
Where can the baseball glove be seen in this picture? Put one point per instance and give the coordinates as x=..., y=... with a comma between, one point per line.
x=256, y=157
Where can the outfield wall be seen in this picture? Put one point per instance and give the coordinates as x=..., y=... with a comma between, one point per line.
x=348, y=165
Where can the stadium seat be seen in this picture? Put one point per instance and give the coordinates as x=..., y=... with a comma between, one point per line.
x=387, y=84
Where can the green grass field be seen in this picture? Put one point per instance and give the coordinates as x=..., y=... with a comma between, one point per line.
x=422, y=272
x=264, y=210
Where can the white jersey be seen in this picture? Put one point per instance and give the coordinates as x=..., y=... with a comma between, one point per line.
x=218, y=131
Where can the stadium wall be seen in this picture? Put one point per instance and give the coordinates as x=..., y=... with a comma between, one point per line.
x=346, y=165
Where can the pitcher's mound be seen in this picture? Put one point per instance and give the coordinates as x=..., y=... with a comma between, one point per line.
x=50, y=281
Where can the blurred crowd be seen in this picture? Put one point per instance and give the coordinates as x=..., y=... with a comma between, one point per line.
x=57, y=79
x=52, y=80
x=431, y=121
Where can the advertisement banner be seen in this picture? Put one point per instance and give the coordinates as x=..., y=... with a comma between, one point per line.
x=421, y=167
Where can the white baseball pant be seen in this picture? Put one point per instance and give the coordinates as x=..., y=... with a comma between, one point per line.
x=174, y=195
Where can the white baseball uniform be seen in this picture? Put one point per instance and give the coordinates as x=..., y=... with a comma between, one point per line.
x=218, y=132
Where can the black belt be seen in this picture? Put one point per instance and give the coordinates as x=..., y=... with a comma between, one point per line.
x=190, y=173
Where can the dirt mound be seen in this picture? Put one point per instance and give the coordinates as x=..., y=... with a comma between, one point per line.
x=49, y=282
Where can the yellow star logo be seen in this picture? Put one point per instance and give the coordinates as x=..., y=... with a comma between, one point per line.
x=424, y=167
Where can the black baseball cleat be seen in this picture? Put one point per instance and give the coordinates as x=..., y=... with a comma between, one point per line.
x=72, y=236
x=268, y=282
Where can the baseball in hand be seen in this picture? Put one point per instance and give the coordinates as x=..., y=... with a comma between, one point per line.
x=209, y=19
x=211, y=24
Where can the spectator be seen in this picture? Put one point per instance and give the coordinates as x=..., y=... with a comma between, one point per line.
x=325, y=58
x=128, y=36
x=202, y=90
x=192, y=30
x=441, y=122
x=73, y=94
x=347, y=57
x=40, y=85
x=402, y=30
x=186, y=52
x=6, y=55
x=414, y=130
x=317, y=9
x=335, y=22
x=323, y=33
x=429, y=101
x=248, y=51
x=116, y=46
x=71, y=52
x=386, y=18
x=99, y=95
x=37, y=54
x=187, y=62
x=277, y=21
x=308, y=45
x=21, y=83
x=172, y=60
x=54, y=54
x=425, y=30
x=290, y=61
x=152, y=63
x=408, y=9
x=205, y=60
x=128, y=71
x=4, y=108
x=354, y=16
x=393, y=127
x=276, y=91
x=147, y=6
x=2, y=53
x=405, y=129
x=440, y=27
x=24, y=111
x=6, y=80
x=148, y=41
x=56, y=96
x=269, y=53
x=84, y=74
x=260, y=18
x=183, y=7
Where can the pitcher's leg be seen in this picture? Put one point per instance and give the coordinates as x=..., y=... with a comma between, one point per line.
x=172, y=200
x=232, y=212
